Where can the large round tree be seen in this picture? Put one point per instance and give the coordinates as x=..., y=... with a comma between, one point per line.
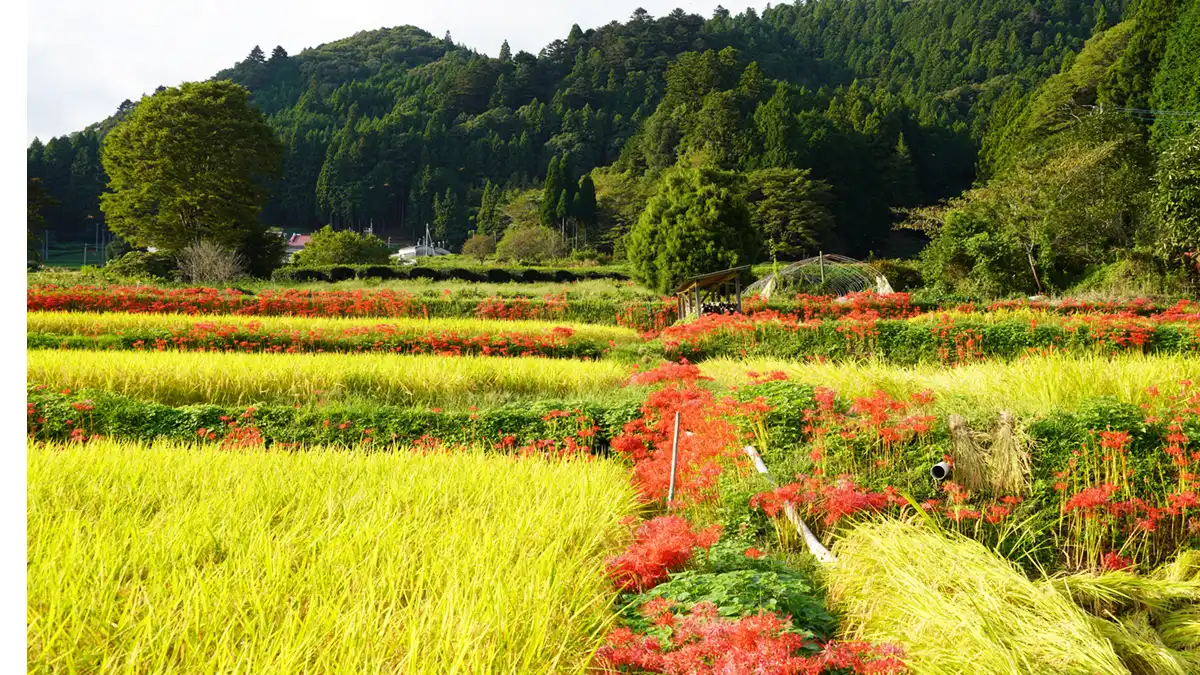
x=188, y=165
x=696, y=223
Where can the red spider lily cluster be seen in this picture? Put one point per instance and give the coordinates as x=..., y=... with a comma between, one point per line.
x=864, y=305
x=1103, y=501
x=668, y=372
x=1180, y=311
x=235, y=432
x=660, y=545
x=518, y=308
x=708, y=442
x=380, y=302
x=956, y=345
x=649, y=317
x=878, y=424
x=381, y=338
x=701, y=641
x=828, y=500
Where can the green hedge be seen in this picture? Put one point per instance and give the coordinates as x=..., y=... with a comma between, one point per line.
x=501, y=275
x=908, y=342
x=122, y=417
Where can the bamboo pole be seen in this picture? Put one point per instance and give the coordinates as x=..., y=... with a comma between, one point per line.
x=814, y=545
x=674, y=460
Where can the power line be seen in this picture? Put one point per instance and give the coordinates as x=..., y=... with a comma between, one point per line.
x=1146, y=113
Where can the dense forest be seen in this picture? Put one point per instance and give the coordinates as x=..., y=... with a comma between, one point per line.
x=892, y=106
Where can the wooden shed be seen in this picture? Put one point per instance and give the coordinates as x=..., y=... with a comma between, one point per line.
x=716, y=292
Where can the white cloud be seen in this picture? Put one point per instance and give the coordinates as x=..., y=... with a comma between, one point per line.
x=85, y=57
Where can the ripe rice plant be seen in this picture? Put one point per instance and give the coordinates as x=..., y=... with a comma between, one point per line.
x=172, y=558
x=454, y=337
x=1033, y=384
x=102, y=323
x=956, y=607
x=242, y=379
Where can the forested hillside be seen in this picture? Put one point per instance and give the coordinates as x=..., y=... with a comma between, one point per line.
x=888, y=102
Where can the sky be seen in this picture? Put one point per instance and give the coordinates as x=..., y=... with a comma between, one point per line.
x=86, y=57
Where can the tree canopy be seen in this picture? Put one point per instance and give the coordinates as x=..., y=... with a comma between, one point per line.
x=696, y=223
x=188, y=165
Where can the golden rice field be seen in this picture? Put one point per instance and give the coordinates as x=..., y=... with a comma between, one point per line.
x=100, y=323
x=234, y=379
x=1033, y=384
x=171, y=558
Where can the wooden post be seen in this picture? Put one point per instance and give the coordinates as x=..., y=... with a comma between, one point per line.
x=674, y=459
x=699, y=307
x=737, y=288
x=821, y=260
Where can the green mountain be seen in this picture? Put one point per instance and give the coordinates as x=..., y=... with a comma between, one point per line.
x=886, y=100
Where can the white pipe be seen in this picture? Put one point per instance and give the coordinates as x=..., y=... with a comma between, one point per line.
x=814, y=545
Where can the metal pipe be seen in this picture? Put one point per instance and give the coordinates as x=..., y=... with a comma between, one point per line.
x=940, y=471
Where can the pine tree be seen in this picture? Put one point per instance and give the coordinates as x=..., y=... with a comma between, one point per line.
x=505, y=53
x=550, y=190
x=585, y=199
x=278, y=54
x=256, y=55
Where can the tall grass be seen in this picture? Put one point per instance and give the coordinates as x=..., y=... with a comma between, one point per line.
x=237, y=379
x=957, y=607
x=100, y=323
x=179, y=559
x=1029, y=385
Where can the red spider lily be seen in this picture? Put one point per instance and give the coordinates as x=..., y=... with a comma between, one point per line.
x=1111, y=561
x=659, y=546
x=703, y=642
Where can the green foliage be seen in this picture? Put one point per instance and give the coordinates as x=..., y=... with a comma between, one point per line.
x=740, y=593
x=377, y=125
x=480, y=247
x=142, y=265
x=530, y=245
x=789, y=211
x=1177, y=82
x=1129, y=81
x=345, y=247
x=1176, y=203
x=36, y=202
x=129, y=418
x=187, y=165
x=1073, y=200
x=696, y=223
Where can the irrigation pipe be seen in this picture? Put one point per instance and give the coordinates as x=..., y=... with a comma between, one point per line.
x=814, y=545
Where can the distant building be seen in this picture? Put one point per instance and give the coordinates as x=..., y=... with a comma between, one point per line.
x=296, y=243
x=424, y=248
x=418, y=251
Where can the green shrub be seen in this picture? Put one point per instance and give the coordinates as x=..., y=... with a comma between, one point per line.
x=739, y=593
x=342, y=247
x=143, y=265
x=530, y=244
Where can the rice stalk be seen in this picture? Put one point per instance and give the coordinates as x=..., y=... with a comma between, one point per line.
x=970, y=460
x=177, y=558
x=1119, y=591
x=1185, y=567
x=175, y=378
x=1142, y=650
x=1181, y=629
x=103, y=323
x=1008, y=458
x=956, y=607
